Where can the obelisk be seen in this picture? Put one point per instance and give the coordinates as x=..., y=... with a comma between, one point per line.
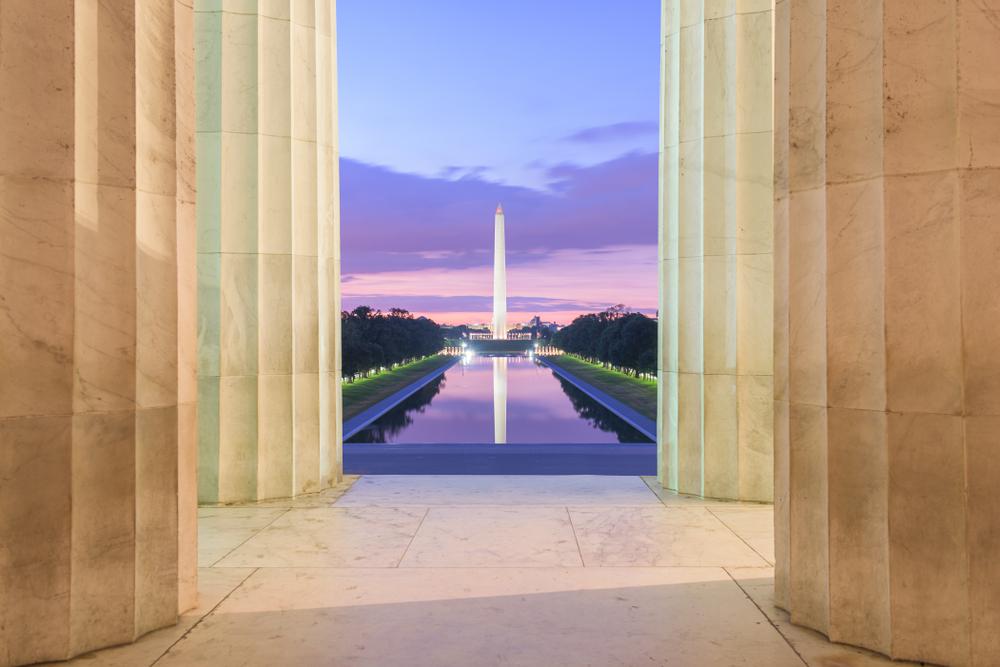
x=499, y=277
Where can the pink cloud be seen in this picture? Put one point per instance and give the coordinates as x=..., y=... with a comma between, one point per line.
x=558, y=285
x=426, y=244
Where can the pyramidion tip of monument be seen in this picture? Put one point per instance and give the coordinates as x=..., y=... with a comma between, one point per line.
x=499, y=209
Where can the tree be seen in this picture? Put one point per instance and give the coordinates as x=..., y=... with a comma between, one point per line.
x=371, y=339
x=613, y=337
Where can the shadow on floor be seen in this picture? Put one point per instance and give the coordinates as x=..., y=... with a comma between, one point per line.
x=446, y=617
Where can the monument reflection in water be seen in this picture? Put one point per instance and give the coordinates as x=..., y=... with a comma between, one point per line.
x=499, y=400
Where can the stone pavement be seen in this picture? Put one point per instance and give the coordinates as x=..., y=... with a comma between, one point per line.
x=480, y=570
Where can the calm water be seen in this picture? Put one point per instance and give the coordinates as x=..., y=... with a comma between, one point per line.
x=499, y=400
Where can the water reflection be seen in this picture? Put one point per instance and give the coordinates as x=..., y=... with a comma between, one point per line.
x=385, y=428
x=499, y=400
x=600, y=416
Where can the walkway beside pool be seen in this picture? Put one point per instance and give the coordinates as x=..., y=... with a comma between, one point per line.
x=487, y=570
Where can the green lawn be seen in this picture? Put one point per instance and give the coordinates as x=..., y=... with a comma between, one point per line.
x=362, y=394
x=638, y=394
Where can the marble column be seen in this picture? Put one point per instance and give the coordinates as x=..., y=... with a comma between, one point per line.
x=268, y=249
x=887, y=398
x=716, y=255
x=97, y=384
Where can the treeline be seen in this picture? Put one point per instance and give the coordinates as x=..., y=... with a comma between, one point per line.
x=622, y=340
x=371, y=339
x=459, y=331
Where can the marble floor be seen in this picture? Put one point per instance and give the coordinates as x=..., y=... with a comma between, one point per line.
x=470, y=571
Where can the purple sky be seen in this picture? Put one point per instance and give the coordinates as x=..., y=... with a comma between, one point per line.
x=448, y=107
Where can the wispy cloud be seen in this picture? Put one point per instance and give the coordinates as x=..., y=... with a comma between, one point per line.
x=453, y=173
x=558, y=285
x=426, y=244
x=399, y=221
x=615, y=132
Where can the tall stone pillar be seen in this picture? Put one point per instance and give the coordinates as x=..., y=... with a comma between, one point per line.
x=716, y=249
x=268, y=250
x=887, y=397
x=97, y=533
x=499, y=276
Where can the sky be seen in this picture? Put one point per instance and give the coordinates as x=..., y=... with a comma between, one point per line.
x=448, y=107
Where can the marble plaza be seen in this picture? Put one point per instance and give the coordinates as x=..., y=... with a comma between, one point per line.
x=454, y=571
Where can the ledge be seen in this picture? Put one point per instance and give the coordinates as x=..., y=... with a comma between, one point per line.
x=460, y=459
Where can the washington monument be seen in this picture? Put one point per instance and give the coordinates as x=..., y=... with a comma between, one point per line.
x=499, y=277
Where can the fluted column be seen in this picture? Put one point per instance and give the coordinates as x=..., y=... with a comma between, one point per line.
x=716, y=250
x=97, y=537
x=887, y=401
x=268, y=252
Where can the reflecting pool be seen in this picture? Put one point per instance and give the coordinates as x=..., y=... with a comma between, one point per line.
x=499, y=400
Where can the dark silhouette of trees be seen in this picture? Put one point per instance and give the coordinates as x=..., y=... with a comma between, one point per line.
x=537, y=332
x=371, y=339
x=617, y=338
x=599, y=416
x=388, y=426
x=454, y=334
